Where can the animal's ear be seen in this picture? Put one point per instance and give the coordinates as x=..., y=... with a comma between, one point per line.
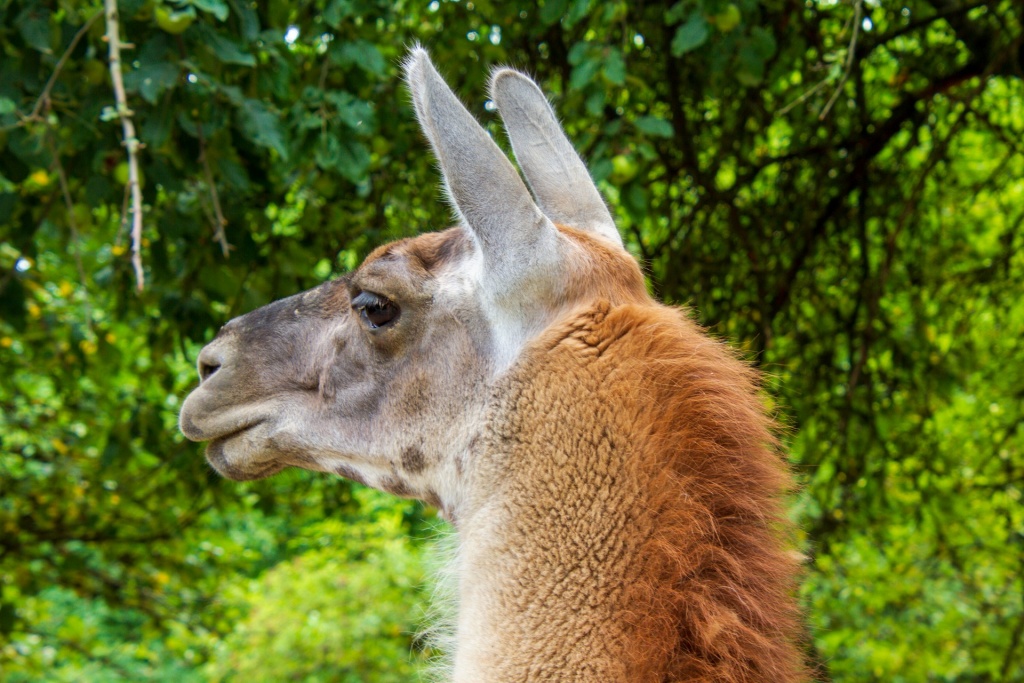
x=557, y=176
x=513, y=233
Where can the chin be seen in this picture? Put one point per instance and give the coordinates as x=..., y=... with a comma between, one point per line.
x=238, y=471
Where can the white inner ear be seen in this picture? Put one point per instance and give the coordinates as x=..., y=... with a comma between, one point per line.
x=558, y=177
x=516, y=238
x=520, y=249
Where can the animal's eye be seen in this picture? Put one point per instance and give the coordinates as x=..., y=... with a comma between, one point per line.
x=375, y=310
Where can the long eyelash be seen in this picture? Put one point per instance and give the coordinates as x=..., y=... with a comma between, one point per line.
x=366, y=299
x=369, y=303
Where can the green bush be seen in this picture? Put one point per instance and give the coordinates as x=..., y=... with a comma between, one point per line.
x=339, y=612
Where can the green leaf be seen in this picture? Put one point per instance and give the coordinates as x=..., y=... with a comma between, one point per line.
x=615, y=67
x=336, y=11
x=248, y=19
x=636, y=200
x=131, y=8
x=584, y=73
x=595, y=102
x=219, y=279
x=28, y=148
x=690, y=35
x=751, y=69
x=8, y=617
x=224, y=48
x=601, y=169
x=883, y=422
x=217, y=8
x=354, y=160
x=156, y=129
x=754, y=55
x=656, y=126
x=360, y=53
x=262, y=126
x=578, y=51
x=12, y=300
x=354, y=112
x=675, y=14
x=552, y=11
x=34, y=25
x=577, y=10
x=150, y=80
x=234, y=174
x=327, y=152
x=763, y=42
x=233, y=94
x=7, y=106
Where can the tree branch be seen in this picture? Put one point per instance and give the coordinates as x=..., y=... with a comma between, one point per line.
x=948, y=13
x=219, y=221
x=131, y=141
x=44, y=97
x=851, y=54
x=868, y=149
x=980, y=42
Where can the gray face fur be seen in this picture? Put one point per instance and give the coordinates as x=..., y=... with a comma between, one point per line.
x=308, y=381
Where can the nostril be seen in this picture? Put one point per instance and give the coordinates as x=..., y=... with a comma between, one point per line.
x=210, y=361
x=206, y=370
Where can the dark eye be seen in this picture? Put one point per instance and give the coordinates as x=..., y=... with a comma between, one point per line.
x=374, y=309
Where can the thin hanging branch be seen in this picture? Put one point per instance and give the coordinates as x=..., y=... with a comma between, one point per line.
x=851, y=54
x=855, y=22
x=131, y=142
x=803, y=98
x=219, y=222
x=43, y=102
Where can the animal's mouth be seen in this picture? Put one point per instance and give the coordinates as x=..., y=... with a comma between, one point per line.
x=234, y=433
x=215, y=425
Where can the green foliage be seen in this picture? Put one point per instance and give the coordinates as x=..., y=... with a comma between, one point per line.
x=837, y=187
x=338, y=611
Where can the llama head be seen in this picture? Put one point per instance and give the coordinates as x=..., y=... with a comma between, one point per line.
x=383, y=375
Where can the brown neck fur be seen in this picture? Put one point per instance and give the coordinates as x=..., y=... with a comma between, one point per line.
x=640, y=487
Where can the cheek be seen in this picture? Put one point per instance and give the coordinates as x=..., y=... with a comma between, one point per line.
x=416, y=395
x=353, y=386
x=290, y=360
x=362, y=400
x=337, y=363
x=443, y=381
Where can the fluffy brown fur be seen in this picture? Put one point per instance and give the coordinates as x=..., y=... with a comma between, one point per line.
x=642, y=490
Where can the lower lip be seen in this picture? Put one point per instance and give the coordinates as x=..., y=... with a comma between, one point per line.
x=215, y=449
x=215, y=456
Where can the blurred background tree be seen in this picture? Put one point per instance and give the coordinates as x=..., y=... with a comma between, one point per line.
x=837, y=187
